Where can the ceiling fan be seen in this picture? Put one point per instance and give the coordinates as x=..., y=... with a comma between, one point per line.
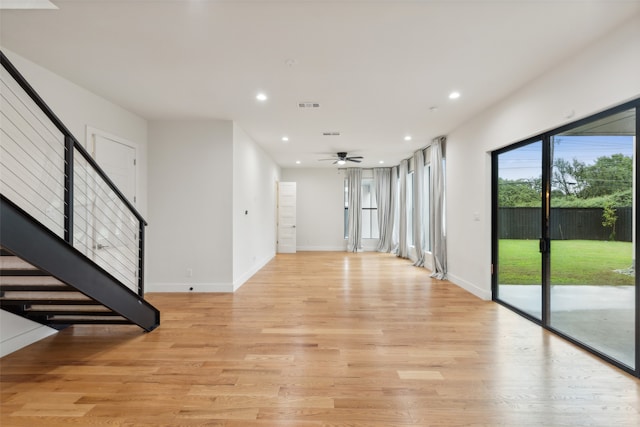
x=342, y=158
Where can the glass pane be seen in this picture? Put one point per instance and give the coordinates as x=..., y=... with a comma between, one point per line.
x=519, y=221
x=366, y=223
x=346, y=208
x=592, y=255
x=367, y=194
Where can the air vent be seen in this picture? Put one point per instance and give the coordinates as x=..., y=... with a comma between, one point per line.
x=308, y=105
x=331, y=133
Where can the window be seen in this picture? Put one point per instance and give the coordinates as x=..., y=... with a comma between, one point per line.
x=369, y=209
x=346, y=208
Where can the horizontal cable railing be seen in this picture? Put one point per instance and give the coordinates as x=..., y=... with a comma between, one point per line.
x=31, y=156
x=104, y=229
x=47, y=173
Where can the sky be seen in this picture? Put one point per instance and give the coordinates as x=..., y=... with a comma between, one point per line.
x=525, y=162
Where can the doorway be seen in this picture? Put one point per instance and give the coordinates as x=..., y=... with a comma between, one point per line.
x=106, y=228
x=287, y=235
x=117, y=157
x=565, y=236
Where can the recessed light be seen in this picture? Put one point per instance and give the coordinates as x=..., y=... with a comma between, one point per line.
x=285, y=138
x=407, y=138
x=381, y=162
x=454, y=95
x=261, y=97
x=298, y=162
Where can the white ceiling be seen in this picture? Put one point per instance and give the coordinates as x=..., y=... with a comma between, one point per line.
x=376, y=67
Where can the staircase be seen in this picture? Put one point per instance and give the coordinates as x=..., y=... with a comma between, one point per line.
x=32, y=293
x=44, y=279
x=58, y=213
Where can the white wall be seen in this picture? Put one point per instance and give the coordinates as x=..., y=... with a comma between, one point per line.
x=319, y=208
x=189, y=237
x=604, y=75
x=77, y=108
x=255, y=176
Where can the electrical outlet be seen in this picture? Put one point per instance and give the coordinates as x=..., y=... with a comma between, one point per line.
x=189, y=272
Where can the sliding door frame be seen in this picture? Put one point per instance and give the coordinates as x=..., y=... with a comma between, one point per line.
x=545, y=240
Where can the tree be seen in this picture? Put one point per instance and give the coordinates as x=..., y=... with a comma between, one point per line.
x=519, y=193
x=564, y=176
x=608, y=175
x=609, y=219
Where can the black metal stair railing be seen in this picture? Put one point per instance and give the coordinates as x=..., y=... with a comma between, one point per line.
x=46, y=174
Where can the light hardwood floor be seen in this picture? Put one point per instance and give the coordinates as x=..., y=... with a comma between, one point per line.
x=318, y=339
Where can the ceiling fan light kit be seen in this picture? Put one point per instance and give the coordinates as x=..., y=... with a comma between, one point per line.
x=341, y=158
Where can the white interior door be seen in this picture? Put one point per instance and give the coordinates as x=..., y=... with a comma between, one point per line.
x=287, y=217
x=118, y=160
x=115, y=233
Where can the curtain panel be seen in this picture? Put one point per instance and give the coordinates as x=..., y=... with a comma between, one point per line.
x=418, y=202
x=395, y=211
x=354, y=232
x=403, y=245
x=437, y=206
x=382, y=179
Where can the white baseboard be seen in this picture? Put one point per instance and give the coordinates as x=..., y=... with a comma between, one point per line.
x=470, y=287
x=188, y=287
x=15, y=343
x=247, y=275
x=207, y=287
x=321, y=248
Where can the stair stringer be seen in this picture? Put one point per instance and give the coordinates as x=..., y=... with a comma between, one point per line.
x=34, y=243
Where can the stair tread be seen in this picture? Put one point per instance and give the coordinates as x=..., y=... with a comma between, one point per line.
x=68, y=308
x=45, y=295
x=88, y=320
x=34, y=288
x=29, y=280
x=85, y=317
x=13, y=262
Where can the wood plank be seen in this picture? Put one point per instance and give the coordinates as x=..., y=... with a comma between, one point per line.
x=318, y=339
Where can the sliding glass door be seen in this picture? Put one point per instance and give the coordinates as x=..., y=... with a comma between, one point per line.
x=519, y=186
x=592, y=296
x=564, y=232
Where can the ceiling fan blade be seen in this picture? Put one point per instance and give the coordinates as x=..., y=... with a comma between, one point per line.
x=322, y=160
x=355, y=157
x=351, y=159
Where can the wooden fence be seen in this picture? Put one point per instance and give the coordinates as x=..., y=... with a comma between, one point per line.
x=566, y=224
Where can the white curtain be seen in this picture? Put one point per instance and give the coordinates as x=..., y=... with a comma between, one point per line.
x=418, y=213
x=354, y=179
x=395, y=211
x=403, y=245
x=382, y=179
x=436, y=213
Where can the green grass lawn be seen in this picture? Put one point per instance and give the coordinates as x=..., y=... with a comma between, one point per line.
x=573, y=262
